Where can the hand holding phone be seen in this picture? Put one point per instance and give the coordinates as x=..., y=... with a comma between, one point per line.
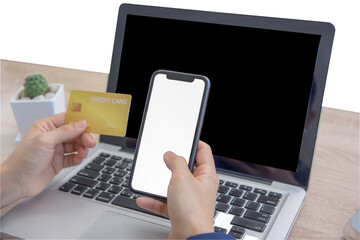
x=191, y=196
x=172, y=121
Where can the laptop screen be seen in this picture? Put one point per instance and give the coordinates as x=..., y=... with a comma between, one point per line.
x=261, y=84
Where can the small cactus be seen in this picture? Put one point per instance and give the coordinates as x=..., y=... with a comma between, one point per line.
x=35, y=85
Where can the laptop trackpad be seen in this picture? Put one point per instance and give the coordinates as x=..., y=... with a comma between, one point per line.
x=117, y=226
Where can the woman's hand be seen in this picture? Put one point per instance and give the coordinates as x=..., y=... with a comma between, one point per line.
x=46, y=148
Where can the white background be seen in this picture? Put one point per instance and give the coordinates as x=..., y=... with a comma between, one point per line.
x=79, y=34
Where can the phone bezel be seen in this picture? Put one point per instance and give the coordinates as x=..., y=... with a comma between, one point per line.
x=176, y=76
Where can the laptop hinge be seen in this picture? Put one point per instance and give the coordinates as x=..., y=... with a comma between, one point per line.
x=246, y=177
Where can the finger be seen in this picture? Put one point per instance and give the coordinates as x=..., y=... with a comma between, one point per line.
x=87, y=140
x=175, y=163
x=72, y=160
x=69, y=147
x=153, y=205
x=204, y=159
x=66, y=132
x=76, y=146
x=84, y=139
x=79, y=153
x=46, y=124
x=82, y=151
x=58, y=120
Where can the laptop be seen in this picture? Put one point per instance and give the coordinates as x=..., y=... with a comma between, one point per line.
x=268, y=78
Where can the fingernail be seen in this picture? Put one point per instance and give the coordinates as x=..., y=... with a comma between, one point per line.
x=168, y=155
x=80, y=124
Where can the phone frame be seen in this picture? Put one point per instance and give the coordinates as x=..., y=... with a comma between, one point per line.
x=173, y=76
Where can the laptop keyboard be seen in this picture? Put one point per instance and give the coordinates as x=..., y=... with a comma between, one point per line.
x=252, y=207
x=106, y=179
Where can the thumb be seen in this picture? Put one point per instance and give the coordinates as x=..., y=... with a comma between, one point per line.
x=153, y=205
x=67, y=132
x=175, y=163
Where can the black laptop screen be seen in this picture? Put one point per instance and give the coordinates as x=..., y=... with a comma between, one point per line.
x=261, y=82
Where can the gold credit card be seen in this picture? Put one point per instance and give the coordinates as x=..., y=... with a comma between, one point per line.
x=105, y=113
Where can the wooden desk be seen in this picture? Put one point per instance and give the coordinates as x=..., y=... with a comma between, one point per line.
x=333, y=195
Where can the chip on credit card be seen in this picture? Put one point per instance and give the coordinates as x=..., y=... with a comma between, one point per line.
x=105, y=113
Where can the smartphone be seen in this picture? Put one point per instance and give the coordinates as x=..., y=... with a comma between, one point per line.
x=172, y=121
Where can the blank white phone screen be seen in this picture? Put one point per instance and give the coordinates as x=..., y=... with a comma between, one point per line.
x=170, y=125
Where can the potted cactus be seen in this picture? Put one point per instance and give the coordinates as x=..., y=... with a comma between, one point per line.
x=36, y=99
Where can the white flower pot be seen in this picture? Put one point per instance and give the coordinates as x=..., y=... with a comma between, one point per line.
x=28, y=111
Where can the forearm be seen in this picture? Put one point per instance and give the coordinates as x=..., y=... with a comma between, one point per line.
x=10, y=189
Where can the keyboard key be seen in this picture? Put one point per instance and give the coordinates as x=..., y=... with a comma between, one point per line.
x=248, y=223
x=274, y=194
x=116, y=181
x=105, y=197
x=110, y=162
x=237, y=229
x=105, y=155
x=109, y=170
x=83, y=181
x=67, y=187
x=250, y=196
x=125, y=183
x=261, y=217
x=79, y=190
x=117, y=158
x=222, y=207
x=115, y=189
x=244, y=187
x=104, y=177
x=120, y=173
x=236, y=234
x=99, y=160
x=236, y=210
x=268, y=200
x=103, y=186
x=235, y=192
x=121, y=165
x=126, y=193
x=261, y=191
x=91, y=193
x=221, y=182
x=223, y=198
x=223, y=189
x=231, y=184
x=129, y=167
x=127, y=160
x=252, y=205
x=238, y=202
x=94, y=166
x=267, y=209
x=88, y=173
x=219, y=229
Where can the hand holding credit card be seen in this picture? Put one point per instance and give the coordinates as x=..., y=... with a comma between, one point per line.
x=105, y=113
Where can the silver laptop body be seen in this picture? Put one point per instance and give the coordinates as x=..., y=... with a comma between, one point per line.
x=259, y=197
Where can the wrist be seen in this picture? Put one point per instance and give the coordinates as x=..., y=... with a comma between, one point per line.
x=204, y=228
x=194, y=227
x=11, y=190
